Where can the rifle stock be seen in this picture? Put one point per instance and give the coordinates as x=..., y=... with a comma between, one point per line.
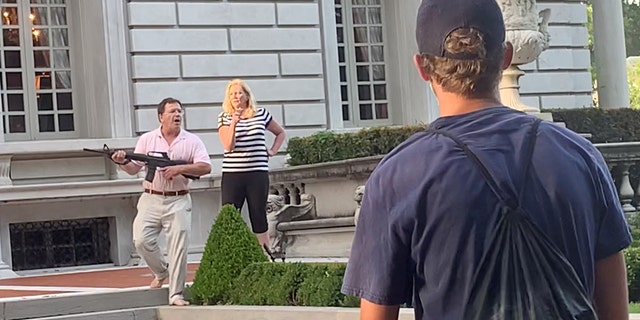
x=152, y=160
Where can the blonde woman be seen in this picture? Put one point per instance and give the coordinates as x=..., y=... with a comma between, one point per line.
x=242, y=128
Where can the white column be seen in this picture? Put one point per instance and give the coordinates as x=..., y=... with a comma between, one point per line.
x=119, y=80
x=610, y=54
x=332, y=73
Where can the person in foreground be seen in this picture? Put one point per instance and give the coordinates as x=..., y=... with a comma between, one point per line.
x=429, y=216
x=245, y=169
x=165, y=204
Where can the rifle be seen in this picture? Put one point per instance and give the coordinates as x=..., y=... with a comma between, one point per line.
x=153, y=160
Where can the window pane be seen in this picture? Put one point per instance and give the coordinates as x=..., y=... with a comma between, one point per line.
x=12, y=59
x=14, y=80
x=345, y=112
x=360, y=34
x=338, y=16
x=10, y=16
x=38, y=16
x=359, y=16
x=380, y=91
x=40, y=37
x=359, y=2
x=340, y=34
x=58, y=16
x=341, y=57
x=374, y=1
x=362, y=54
x=60, y=37
x=41, y=59
x=43, y=80
x=378, y=72
x=363, y=73
x=63, y=80
x=39, y=1
x=344, y=93
x=64, y=101
x=11, y=37
x=375, y=16
x=17, y=124
x=377, y=53
x=15, y=102
x=366, y=112
x=381, y=111
x=63, y=1
x=343, y=74
x=45, y=123
x=45, y=102
x=375, y=34
x=65, y=122
x=364, y=92
x=61, y=59
x=8, y=1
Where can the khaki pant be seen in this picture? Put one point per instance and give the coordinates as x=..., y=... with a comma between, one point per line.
x=172, y=215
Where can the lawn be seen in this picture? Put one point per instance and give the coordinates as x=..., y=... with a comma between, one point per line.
x=634, y=307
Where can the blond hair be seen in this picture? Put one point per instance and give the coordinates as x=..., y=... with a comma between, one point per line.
x=251, y=102
x=476, y=78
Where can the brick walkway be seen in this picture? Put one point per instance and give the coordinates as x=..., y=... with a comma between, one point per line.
x=81, y=281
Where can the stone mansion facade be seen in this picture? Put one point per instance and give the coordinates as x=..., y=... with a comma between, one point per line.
x=82, y=73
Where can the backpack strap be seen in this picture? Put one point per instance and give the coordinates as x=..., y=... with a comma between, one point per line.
x=486, y=173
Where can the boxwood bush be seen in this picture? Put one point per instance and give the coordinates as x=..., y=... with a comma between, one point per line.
x=292, y=284
x=231, y=247
x=612, y=125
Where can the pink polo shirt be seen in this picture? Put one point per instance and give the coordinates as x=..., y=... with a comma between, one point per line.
x=187, y=146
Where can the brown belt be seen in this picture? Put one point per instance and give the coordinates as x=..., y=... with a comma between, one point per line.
x=167, y=193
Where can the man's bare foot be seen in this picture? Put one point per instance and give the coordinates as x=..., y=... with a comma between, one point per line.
x=157, y=283
x=179, y=302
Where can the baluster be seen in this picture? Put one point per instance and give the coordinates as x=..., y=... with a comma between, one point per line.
x=5, y=170
x=626, y=192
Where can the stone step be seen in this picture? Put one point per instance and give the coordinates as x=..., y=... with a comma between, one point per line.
x=82, y=303
x=149, y=313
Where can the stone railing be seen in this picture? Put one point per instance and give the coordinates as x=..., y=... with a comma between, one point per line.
x=622, y=159
x=314, y=207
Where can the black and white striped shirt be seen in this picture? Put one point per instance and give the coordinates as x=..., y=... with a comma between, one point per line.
x=250, y=151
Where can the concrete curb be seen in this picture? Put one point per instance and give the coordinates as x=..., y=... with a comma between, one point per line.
x=82, y=303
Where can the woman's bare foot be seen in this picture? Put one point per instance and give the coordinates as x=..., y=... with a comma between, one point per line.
x=157, y=283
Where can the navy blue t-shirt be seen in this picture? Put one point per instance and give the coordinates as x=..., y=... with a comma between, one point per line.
x=427, y=211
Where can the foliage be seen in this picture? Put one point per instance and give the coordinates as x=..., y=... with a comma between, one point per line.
x=327, y=146
x=631, y=15
x=632, y=259
x=633, y=75
x=231, y=247
x=294, y=284
x=605, y=125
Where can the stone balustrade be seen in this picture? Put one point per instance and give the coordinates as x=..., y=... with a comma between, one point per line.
x=623, y=159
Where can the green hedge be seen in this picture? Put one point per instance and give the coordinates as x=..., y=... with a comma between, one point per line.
x=231, y=247
x=325, y=146
x=614, y=125
x=292, y=284
x=610, y=125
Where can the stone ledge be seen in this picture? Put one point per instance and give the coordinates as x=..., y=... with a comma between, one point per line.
x=90, y=189
x=81, y=303
x=357, y=168
x=265, y=313
x=57, y=147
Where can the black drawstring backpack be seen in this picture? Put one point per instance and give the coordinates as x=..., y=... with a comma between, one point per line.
x=522, y=275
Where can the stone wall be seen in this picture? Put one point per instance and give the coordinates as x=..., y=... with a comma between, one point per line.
x=560, y=77
x=190, y=50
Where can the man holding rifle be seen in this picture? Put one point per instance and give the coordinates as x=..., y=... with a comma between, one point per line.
x=165, y=203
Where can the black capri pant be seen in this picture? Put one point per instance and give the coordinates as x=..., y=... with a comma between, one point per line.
x=252, y=186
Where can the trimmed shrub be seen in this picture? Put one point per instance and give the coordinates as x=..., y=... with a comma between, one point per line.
x=632, y=259
x=605, y=125
x=325, y=146
x=231, y=247
x=293, y=284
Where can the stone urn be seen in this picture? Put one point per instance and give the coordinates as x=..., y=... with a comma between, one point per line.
x=527, y=30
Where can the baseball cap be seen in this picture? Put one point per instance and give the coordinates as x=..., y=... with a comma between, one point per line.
x=438, y=18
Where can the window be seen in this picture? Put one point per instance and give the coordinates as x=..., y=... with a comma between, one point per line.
x=361, y=55
x=35, y=67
